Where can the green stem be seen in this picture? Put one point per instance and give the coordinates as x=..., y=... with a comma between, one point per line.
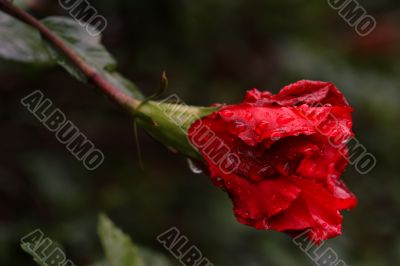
x=169, y=123
x=89, y=71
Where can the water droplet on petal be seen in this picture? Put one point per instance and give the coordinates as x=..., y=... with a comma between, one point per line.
x=345, y=141
x=237, y=127
x=254, y=176
x=226, y=113
x=277, y=134
x=334, y=132
x=260, y=128
x=283, y=168
x=285, y=118
x=247, y=115
x=248, y=140
x=267, y=171
x=308, y=151
x=333, y=176
x=193, y=167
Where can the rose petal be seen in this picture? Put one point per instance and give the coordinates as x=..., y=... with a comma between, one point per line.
x=288, y=152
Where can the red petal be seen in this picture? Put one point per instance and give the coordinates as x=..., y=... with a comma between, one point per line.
x=322, y=207
x=300, y=131
x=310, y=92
x=255, y=202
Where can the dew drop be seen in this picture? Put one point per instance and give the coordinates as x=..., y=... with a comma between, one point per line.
x=345, y=141
x=308, y=151
x=277, y=134
x=267, y=171
x=334, y=132
x=193, y=167
x=254, y=176
x=283, y=168
x=226, y=113
x=237, y=127
x=333, y=176
x=260, y=128
x=285, y=118
x=247, y=115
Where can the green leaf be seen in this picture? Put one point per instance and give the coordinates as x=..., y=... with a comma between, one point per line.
x=21, y=3
x=123, y=84
x=91, y=50
x=20, y=42
x=100, y=263
x=88, y=47
x=152, y=258
x=118, y=247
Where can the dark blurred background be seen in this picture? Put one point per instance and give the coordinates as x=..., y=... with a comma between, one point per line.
x=213, y=51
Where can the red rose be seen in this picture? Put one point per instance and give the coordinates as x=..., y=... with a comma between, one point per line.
x=280, y=157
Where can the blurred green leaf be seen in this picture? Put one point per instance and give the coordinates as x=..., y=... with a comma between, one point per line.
x=21, y=3
x=91, y=50
x=100, y=263
x=118, y=247
x=152, y=258
x=20, y=42
x=87, y=46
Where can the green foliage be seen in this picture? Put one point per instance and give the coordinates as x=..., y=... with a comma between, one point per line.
x=118, y=247
x=91, y=50
x=22, y=43
x=213, y=51
x=152, y=258
x=87, y=46
x=121, y=251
